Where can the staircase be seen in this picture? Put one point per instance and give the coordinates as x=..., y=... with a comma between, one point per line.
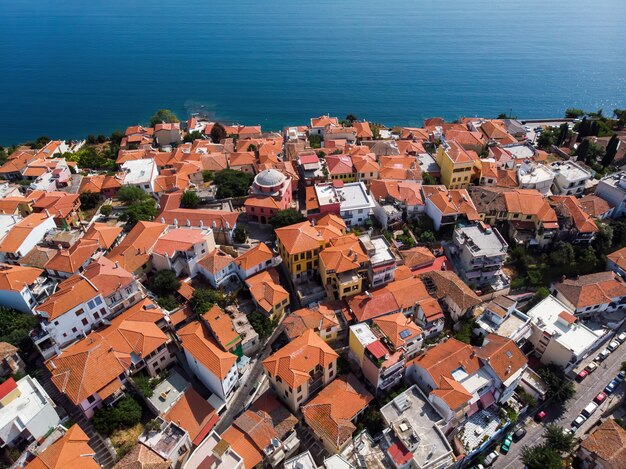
x=105, y=453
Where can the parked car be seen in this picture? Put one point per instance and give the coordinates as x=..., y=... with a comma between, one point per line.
x=620, y=376
x=613, y=345
x=622, y=337
x=540, y=415
x=578, y=421
x=590, y=409
x=604, y=354
x=600, y=398
x=593, y=366
x=506, y=444
x=519, y=434
x=610, y=388
x=491, y=458
x=582, y=375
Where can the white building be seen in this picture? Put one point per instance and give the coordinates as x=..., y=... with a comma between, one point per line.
x=214, y=367
x=26, y=412
x=355, y=202
x=535, y=176
x=501, y=316
x=181, y=249
x=140, y=173
x=214, y=449
x=570, y=178
x=22, y=287
x=612, y=188
x=218, y=268
x=382, y=263
x=557, y=336
x=25, y=235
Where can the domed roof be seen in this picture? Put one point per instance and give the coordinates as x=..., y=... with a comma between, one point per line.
x=269, y=178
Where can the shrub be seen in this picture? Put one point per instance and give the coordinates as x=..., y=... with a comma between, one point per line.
x=190, y=200
x=125, y=414
x=15, y=326
x=163, y=115
x=89, y=200
x=106, y=210
x=286, y=218
x=240, y=235
x=164, y=282
x=232, y=183
x=145, y=385
x=131, y=194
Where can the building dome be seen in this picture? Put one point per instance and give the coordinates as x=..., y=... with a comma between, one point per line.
x=269, y=178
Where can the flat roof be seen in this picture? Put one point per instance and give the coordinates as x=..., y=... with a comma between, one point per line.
x=138, y=171
x=168, y=392
x=533, y=174
x=570, y=170
x=482, y=242
x=301, y=461
x=25, y=407
x=382, y=250
x=416, y=412
x=364, y=334
x=427, y=163
x=354, y=196
x=520, y=151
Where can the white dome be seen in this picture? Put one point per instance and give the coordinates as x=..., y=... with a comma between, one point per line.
x=269, y=178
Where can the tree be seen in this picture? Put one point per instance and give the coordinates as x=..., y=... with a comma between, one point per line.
x=611, y=151
x=563, y=255
x=594, y=153
x=541, y=457
x=163, y=116
x=351, y=118
x=572, y=113
x=203, y=300
x=164, y=283
x=547, y=138
x=90, y=158
x=195, y=135
x=89, y=200
x=131, y=194
x=428, y=237
x=315, y=141
x=558, y=440
x=218, y=133
x=604, y=238
x=15, y=326
x=558, y=385
x=582, y=152
x=139, y=211
x=240, y=235
x=539, y=295
x=3, y=155
x=207, y=175
x=261, y=324
x=116, y=137
x=190, y=199
x=168, y=302
x=587, y=260
x=286, y=218
x=125, y=414
x=106, y=210
x=232, y=183
x=563, y=134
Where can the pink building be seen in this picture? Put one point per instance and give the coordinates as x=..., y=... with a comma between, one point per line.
x=270, y=193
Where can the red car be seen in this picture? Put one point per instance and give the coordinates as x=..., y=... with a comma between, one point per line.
x=540, y=416
x=582, y=375
x=599, y=399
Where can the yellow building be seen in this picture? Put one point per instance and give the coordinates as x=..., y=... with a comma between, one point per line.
x=456, y=164
x=299, y=245
x=268, y=294
x=342, y=267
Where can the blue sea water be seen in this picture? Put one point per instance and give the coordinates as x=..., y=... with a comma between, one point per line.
x=73, y=67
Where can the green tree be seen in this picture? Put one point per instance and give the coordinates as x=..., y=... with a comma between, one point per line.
x=573, y=113
x=106, y=210
x=315, y=141
x=90, y=158
x=190, y=199
x=116, y=137
x=428, y=179
x=563, y=134
x=594, y=153
x=232, y=183
x=15, y=326
x=588, y=260
x=547, y=138
x=240, y=235
x=351, y=118
x=164, y=282
x=563, y=255
x=218, y=133
x=125, y=414
x=582, y=152
x=541, y=457
x=168, y=302
x=558, y=440
x=261, y=324
x=203, y=300
x=195, y=135
x=371, y=420
x=611, y=151
x=139, y=211
x=558, y=385
x=604, y=238
x=207, y=175
x=89, y=200
x=163, y=116
x=427, y=237
x=286, y=218
x=131, y=194
x=3, y=155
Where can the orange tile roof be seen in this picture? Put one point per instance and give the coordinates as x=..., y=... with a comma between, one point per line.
x=298, y=358
x=142, y=457
x=323, y=121
x=445, y=357
x=592, y=289
x=418, y=257
x=405, y=192
x=618, y=257
x=262, y=202
x=569, y=206
x=258, y=429
x=451, y=201
x=363, y=130
x=243, y=446
x=594, y=205
x=70, y=293
x=301, y=237
x=458, y=154
x=222, y=327
x=241, y=159
x=330, y=413
x=193, y=413
x=179, y=239
x=414, y=133
x=98, y=183
x=409, y=146
x=106, y=235
x=344, y=254
x=257, y=255
x=495, y=130
x=503, y=356
x=608, y=443
x=107, y=277
x=216, y=261
x=529, y=202
x=432, y=309
x=333, y=221
x=71, y=450
x=339, y=164
x=398, y=328
x=448, y=285
x=18, y=234
x=266, y=289
x=10, y=205
x=58, y=204
x=200, y=344
x=365, y=165
x=70, y=260
x=318, y=318
x=16, y=277
x=452, y=393
x=466, y=138
x=502, y=177
x=134, y=250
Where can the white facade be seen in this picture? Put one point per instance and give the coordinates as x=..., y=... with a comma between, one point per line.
x=612, y=188
x=355, y=203
x=141, y=173
x=569, y=179
x=34, y=237
x=535, y=176
x=185, y=261
x=27, y=412
x=218, y=278
x=213, y=383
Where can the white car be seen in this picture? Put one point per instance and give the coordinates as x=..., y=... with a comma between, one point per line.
x=622, y=337
x=613, y=345
x=578, y=421
x=590, y=409
x=491, y=458
x=603, y=355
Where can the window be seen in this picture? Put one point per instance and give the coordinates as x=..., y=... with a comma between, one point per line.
x=90, y=304
x=74, y=330
x=98, y=300
x=79, y=312
x=278, y=380
x=91, y=399
x=330, y=375
x=56, y=323
x=85, y=322
x=64, y=334
x=96, y=315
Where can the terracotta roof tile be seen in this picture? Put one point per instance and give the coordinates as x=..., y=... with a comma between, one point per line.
x=216, y=261
x=193, y=413
x=105, y=234
x=608, y=443
x=222, y=327
x=592, y=289
x=202, y=346
x=71, y=450
x=266, y=289
x=70, y=260
x=16, y=277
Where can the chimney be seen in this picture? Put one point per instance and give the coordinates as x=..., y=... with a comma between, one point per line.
x=116, y=265
x=47, y=213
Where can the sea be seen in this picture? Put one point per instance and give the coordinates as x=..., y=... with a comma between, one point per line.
x=69, y=68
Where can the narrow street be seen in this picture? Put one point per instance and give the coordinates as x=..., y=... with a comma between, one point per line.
x=586, y=391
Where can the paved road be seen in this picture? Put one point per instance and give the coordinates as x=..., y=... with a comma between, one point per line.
x=585, y=393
